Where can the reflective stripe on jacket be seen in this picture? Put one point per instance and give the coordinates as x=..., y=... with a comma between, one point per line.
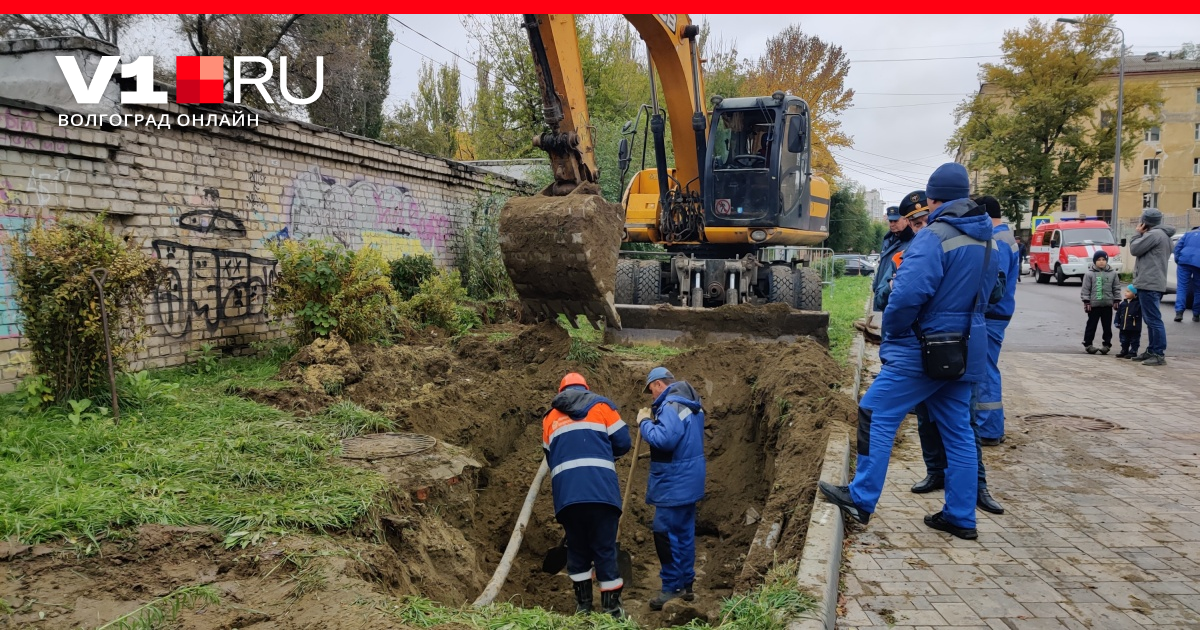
x=582, y=436
x=676, y=440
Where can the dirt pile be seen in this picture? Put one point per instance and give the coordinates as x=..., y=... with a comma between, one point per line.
x=441, y=535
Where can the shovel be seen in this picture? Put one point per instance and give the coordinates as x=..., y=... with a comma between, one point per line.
x=556, y=559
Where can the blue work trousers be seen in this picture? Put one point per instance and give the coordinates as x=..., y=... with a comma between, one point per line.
x=1156, y=331
x=932, y=449
x=1187, y=289
x=675, y=543
x=988, y=410
x=880, y=412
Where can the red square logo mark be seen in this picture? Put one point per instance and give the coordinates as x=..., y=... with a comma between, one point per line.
x=199, y=79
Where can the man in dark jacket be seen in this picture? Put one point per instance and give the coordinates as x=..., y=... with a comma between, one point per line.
x=582, y=436
x=675, y=434
x=1187, y=275
x=1152, y=248
x=943, y=287
x=890, y=252
x=1129, y=322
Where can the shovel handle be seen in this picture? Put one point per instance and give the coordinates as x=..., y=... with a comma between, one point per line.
x=637, y=442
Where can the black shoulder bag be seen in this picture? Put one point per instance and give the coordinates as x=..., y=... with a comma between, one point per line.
x=944, y=355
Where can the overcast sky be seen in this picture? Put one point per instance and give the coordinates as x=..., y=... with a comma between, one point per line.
x=902, y=114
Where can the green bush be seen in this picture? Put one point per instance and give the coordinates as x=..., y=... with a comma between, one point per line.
x=409, y=272
x=440, y=302
x=830, y=267
x=326, y=288
x=60, y=312
x=480, y=260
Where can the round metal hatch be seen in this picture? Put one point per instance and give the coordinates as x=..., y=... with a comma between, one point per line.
x=384, y=445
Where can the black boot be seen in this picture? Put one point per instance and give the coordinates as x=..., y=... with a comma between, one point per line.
x=939, y=522
x=929, y=484
x=662, y=598
x=987, y=503
x=610, y=601
x=840, y=496
x=583, y=597
x=1179, y=316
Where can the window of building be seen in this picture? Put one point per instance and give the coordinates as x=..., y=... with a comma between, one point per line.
x=1198, y=95
x=1153, y=134
x=1106, y=119
x=1149, y=200
x=1068, y=203
x=1150, y=167
x=1196, y=200
x=1197, y=131
x=1105, y=185
x=1105, y=215
x=1195, y=166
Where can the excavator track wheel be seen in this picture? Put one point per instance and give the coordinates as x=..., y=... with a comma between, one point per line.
x=649, y=283
x=781, y=286
x=626, y=289
x=808, y=289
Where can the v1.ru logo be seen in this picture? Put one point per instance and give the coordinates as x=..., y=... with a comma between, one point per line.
x=198, y=80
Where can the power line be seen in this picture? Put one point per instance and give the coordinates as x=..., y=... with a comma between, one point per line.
x=853, y=108
x=925, y=59
x=930, y=46
x=898, y=172
x=891, y=158
x=422, y=35
x=856, y=93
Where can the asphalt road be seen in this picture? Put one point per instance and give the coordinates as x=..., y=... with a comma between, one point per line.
x=1050, y=318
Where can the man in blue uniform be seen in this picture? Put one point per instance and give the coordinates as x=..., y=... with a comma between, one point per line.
x=675, y=434
x=582, y=436
x=940, y=291
x=890, y=253
x=987, y=408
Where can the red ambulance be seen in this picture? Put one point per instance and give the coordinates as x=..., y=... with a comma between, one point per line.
x=1064, y=249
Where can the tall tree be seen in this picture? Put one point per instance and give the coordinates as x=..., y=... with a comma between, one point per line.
x=1186, y=51
x=227, y=36
x=814, y=70
x=357, y=66
x=1043, y=128
x=849, y=222
x=431, y=122
x=723, y=72
x=104, y=27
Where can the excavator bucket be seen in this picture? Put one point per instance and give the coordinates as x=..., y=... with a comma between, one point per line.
x=561, y=253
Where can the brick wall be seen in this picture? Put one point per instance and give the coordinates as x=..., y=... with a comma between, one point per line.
x=207, y=200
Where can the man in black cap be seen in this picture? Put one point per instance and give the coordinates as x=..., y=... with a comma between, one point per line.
x=915, y=208
x=1152, y=248
x=890, y=252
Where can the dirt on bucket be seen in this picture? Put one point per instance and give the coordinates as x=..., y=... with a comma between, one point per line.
x=440, y=532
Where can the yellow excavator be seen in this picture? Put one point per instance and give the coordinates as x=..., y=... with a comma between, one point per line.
x=734, y=213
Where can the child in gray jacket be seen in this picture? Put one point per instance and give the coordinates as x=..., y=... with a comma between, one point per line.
x=1101, y=291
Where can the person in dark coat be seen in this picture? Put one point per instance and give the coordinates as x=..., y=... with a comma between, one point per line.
x=890, y=253
x=1152, y=248
x=943, y=287
x=582, y=436
x=675, y=433
x=1129, y=323
x=1101, y=292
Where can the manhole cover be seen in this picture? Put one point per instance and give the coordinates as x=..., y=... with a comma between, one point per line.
x=1071, y=421
x=382, y=445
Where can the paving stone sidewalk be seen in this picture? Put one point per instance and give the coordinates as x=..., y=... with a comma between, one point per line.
x=1101, y=530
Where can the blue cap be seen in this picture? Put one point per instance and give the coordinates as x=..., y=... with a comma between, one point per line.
x=657, y=374
x=948, y=183
x=893, y=213
x=1132, y=289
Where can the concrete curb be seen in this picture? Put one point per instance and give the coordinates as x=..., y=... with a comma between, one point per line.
x=821, y=558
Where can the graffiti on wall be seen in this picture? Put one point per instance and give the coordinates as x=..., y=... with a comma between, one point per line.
x=208, y=288
x=362, y=213
x=19, y=207
x=202, y=214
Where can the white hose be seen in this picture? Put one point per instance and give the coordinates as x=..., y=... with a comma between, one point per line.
x=514, y=541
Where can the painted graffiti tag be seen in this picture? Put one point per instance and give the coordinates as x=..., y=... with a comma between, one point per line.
x=209, y=286
x=209, y=218
x=364, y=213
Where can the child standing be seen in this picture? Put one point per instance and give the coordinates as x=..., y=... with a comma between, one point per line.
x=1129, y=322
x=1100, y=294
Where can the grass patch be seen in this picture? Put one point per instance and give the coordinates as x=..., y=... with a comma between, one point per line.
x=655, y=353
x=771, y=606
x=346, y=419
x=497, y=337
x=164, y=610
x=198, y=456
x=845, y=301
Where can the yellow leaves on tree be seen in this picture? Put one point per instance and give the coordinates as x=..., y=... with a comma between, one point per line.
x=814, y=70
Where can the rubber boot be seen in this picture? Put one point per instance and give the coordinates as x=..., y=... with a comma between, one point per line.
x=610, y=601
x=583, y=597
x=662, y=598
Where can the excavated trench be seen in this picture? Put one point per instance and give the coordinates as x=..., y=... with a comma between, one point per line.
x=768, y=406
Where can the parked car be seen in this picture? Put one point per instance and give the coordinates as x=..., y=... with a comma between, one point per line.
x=1172, y=269
x=856, y=264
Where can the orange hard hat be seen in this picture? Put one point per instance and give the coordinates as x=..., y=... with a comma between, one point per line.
x=572, y=378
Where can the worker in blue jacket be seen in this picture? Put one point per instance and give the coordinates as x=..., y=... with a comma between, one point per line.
x=891, y=252
x=674, y=430
x=943, y=287
x=582, y=436
x=987, y=407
